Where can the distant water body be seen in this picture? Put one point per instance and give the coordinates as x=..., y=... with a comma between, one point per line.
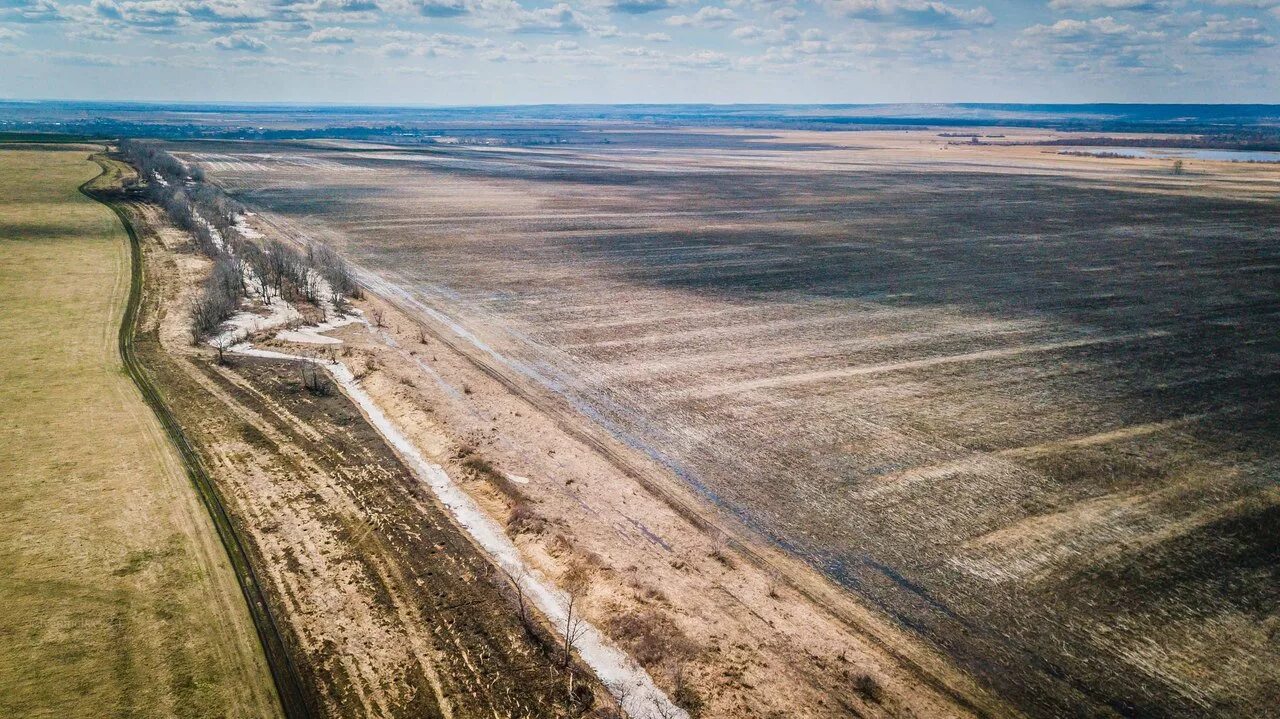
x=1180, y=153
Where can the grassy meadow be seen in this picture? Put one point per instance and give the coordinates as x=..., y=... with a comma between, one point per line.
x=116, y=598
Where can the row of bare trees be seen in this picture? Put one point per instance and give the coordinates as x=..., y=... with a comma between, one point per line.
x=192, y=204
x=272, y=269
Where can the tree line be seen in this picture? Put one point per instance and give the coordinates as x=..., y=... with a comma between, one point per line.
x=272, y=269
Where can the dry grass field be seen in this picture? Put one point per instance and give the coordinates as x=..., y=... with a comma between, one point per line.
x=116, y=598
x=1025, y=405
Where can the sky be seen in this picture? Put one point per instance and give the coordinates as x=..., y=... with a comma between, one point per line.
x=466, y=52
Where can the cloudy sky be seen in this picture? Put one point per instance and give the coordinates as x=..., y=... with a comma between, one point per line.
x=528, y=51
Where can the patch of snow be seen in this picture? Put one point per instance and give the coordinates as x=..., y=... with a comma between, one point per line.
x=247, y=232
x=516, y=478
x=314, y=334
x=301, y=337
x=242, y=325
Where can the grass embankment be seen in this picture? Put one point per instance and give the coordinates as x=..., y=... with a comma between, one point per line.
x=117, y=598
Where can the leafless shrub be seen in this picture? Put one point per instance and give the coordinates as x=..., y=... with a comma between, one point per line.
x=868, y=688
x=774, y=579
x=517, y=580
x=683, y=693
x=315, y=378
x=378, y=316
x=222, y=344
x=720, y=551
x=649, y=636
x=340, y=304
x=621, y=693
x=522, y=519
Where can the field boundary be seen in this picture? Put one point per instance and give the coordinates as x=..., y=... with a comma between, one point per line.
x=284, y=673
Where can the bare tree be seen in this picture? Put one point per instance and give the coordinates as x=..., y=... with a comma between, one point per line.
x=621, y=693
x=664, y=710
x=576, y=584
x=334, y=270
x=260, y=269
x=222, y=343
x=720, y=550
x=314, y=377
x=774, y=578
x=309, y=286
x=574, y=626
x=218, y=300
x=517, y=580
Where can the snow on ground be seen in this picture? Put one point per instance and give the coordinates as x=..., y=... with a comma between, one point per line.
x=280, y=313
x=313, y=334
x=243, y=325
x=218, y=242
x=245, y=230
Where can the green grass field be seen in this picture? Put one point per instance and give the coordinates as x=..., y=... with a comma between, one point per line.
x=116, y=598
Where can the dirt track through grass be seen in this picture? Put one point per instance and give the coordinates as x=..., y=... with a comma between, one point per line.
x=117, y=598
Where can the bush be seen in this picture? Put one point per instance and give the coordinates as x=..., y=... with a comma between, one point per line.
x=868, y=688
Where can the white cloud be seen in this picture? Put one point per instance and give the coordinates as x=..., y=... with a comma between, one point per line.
x=705, y=17
x=332, y=36
x=30, y=11
x=226, y=12
x=1102, y=4
x=1071, y=30
x=239, y=42
x=917, y=13
x=442, y=8
x=511, y=16
x=638, y=7
x=1239, y=35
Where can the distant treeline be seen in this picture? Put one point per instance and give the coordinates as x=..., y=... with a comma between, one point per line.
x=1259, y=141
x=240, y=266
x=97, y=128
x=555, y=124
